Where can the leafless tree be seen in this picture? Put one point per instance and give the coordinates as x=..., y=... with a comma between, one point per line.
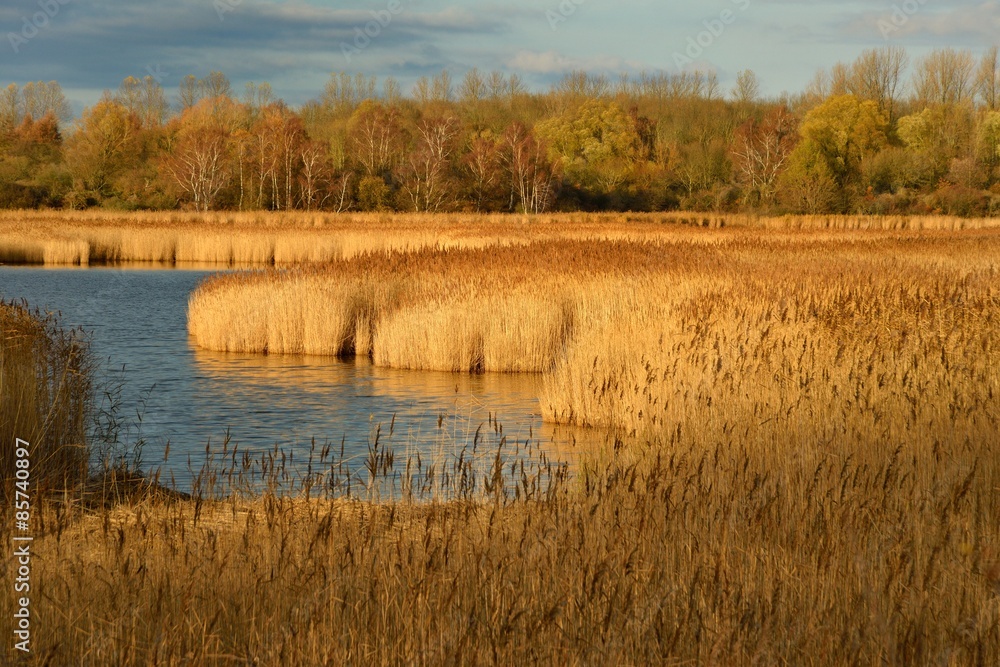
x=761, y=150
x=944, y=77
x=34, y=99
x=533, y=176
x=145, y=99
x=473, y=88
x=315, y=176
x=988, y=79
x=200, y=165
x=747, y=88
x=482, y=163
x=425, y=178
x=376, y=135
x=877, y=75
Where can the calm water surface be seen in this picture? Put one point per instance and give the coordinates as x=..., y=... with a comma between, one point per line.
x=136, y=319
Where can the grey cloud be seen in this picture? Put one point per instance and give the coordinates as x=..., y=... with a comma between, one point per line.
x=93, y=46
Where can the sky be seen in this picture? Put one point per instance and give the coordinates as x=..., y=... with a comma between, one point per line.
x=91, y=45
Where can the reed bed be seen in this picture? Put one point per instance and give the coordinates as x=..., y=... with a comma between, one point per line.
x=499, y=309
x=286, y=239
x=807, y=470
x=45, y=399
x=650, y=554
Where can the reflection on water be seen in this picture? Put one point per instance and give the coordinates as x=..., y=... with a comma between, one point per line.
x=346, y=403
x=138, y=319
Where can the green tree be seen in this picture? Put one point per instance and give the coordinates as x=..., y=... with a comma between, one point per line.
x=107, y=144
x=595, y=143
x=839, y=133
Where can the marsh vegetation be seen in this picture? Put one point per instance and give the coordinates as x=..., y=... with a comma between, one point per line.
x=804, y=467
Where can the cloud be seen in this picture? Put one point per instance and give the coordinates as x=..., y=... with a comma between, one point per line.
x=295, y=44
x=930, y=22
x=552, y=62
x=93, y=45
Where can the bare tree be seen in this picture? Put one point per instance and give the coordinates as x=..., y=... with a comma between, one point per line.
x=390, y=91
x=315, y=176
x=256, y=96
x=496, y=85
x=988, y=79
x=375, y=132
x=216, y=84
x=877, y=76
x=40, y=98
x=482, y=163
x=425, y=179
x=10, y=107
x=441, y=87
x=343, y=92
x=761, y=150
x=818, y=88
x=533, y=176
x=840, y=75
x=188, y=92
x=200, y=166
x=145, y=99
x=473, y=87
x=746, y=90
x=422, y=91
x=944, y=77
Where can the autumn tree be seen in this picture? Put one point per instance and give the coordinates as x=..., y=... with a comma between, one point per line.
x=271, y=155
x=426, y=174
x=760, y=153
x=989, y=143
x=835, y=137
x=483, y=165
x=201, y=160
x=375, y=132
x=533, y=177
x=842, y=131
x=145, y=99
x=595, y=142
x=107, y=144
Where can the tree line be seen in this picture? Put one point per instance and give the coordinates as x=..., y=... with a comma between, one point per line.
x=877, y=135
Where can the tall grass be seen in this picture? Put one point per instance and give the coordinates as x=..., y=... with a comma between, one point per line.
x=696, y=552
x=495, y=309
x=281, y=239
x=807, y=469
x=45, y=398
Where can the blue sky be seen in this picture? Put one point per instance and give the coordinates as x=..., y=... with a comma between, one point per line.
x=91, y=45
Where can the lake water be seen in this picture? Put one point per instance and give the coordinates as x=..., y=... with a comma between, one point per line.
x=191, y=398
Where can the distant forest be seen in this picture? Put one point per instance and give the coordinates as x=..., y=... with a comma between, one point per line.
x=881, y=135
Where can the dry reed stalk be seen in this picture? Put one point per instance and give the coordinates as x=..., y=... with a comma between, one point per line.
x=255, y=239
